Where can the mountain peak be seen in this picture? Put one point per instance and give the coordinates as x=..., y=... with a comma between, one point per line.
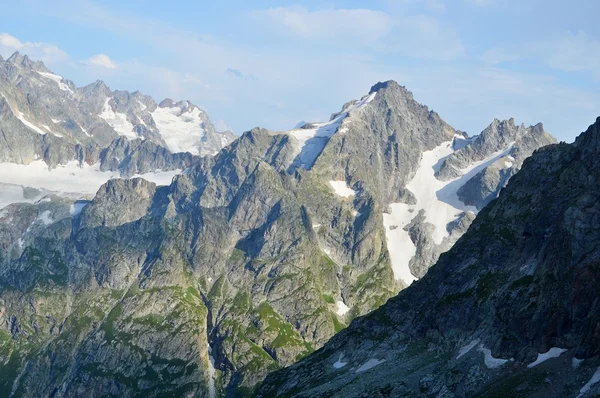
x=18, y=59
x=24, y=61
x=589, y=141
x=391, y=86
x=166, y=103
x=384, y=85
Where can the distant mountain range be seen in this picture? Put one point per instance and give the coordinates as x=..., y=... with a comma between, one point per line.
x=206, y=280
x=45, y=121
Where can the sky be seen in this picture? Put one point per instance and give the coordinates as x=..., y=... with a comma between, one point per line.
x=275, y=63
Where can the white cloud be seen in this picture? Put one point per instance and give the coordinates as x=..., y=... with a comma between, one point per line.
x=345, y=24
x=101, y=60
x=426, y=37
x=220, y=125
x=414, y=36
x=46, y=52
x=574, y=52
x=568, y=52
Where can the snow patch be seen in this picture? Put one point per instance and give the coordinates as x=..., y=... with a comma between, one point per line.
x=27, y=123
x=181, y=131
x=84, y=130
x=70, y=180
x=467, y=348
x=159, y=177
x=342, y=189
x=371, y=363
x=490, y=361
x=439, y=200
x=56, y=78
x=461, y=142
x=340, y=363
x=118, y=121
x=576, y=362
x=311, y=141
x=45, y=217
x=553, y=352
x=341, y=308
x=77, y=207
x=595, y=379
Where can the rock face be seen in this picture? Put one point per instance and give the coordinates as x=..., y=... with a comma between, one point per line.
x=510, y=310
x=520, y=143
x=247, y=262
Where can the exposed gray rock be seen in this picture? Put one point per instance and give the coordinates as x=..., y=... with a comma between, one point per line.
x=119, y=202
x=517, y=143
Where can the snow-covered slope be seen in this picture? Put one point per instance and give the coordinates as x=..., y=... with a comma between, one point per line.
x=118, y=121
x=311, y=138
x=438, y=200
x=69, y=180
x=181, y=129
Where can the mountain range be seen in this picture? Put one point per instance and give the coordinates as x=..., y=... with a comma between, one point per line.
x=242, y=256
x=48, y=123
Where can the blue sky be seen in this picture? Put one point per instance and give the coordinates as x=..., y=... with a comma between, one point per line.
x=274, y=63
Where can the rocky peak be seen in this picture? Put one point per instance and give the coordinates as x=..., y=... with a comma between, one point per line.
x=589, y=141
x=97, y=89
x=20, y=60
x=498, y=135
x=392, y=86
x=23, y=61
x=119, y=201
x=167, y=103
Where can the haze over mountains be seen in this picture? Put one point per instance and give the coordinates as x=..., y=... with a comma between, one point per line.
x=262, y=248
x=48, y=122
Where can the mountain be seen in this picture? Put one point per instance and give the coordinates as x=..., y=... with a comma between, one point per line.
x=48, y=123
x=511, y=310
x=248, y=261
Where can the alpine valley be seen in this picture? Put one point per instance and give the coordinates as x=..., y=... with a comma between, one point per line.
x=143, y=253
